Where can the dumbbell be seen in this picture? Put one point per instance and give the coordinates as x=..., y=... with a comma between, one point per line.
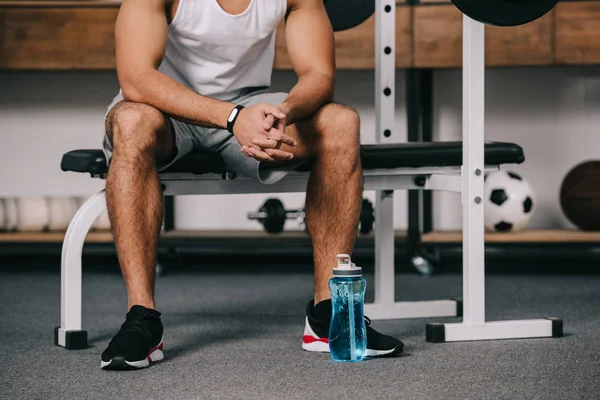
x=272, y=215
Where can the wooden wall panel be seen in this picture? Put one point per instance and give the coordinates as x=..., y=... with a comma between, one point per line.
x=524, y=45
x=355, y=48
x=2, y=58
x=577, y=32
x=437, y=36
x=438, y=40
x=59, y=38
x=59, y=3
x=404, y=37
x=427, y=36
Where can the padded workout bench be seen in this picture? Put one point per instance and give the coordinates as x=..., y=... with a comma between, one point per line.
x=388, y=166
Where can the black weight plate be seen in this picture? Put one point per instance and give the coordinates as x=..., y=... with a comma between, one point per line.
x=275, y=215
x=505, y=12
x=346, y=14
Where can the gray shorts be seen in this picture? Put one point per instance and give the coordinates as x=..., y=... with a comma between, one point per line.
x=190, y=138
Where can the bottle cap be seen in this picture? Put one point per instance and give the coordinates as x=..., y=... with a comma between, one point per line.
x=345, y=267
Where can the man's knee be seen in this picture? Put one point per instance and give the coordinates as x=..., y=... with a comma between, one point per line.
x=340, y=131
x=134, y=127
x=342, y=116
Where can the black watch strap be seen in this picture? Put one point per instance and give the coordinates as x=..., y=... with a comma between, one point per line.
x=233, y=117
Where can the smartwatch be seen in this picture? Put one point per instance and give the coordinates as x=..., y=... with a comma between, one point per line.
x=233, y=117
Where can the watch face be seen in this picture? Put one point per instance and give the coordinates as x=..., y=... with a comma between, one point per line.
x=232, y=115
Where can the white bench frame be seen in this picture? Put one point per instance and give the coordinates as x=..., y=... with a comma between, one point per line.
x=468, y=180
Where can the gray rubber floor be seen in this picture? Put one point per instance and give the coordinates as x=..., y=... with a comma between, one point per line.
x=238, y=337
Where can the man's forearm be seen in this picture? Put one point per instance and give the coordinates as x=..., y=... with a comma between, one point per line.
x=169, y=96
x=311, y=92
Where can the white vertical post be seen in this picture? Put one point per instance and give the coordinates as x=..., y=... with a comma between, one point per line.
x=472, y=172
x=385, y=71
x=384, y=248
x=385, y=111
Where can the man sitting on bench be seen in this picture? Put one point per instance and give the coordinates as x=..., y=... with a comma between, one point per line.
x=187, y=69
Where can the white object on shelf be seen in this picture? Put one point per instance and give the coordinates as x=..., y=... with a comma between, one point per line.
x=33, y=214
x=62, y=210
x=102, y=222
x=2, y=212
x=10, y=214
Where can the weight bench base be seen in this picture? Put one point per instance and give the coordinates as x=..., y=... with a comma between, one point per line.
x=70, y=340
x=414, y=309
x=515, y=329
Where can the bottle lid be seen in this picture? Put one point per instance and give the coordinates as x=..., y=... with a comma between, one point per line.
x=345, y=267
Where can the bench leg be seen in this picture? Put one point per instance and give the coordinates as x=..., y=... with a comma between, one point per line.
x=474, y=325
x=69, y=334
x=385, y=306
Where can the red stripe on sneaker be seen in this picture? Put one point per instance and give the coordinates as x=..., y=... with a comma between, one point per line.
x=159, y=347
x=311, y=339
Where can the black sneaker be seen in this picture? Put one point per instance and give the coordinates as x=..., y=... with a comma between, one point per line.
x=316, y=333
x=138, y=343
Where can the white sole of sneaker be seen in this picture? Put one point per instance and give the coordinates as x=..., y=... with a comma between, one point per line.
x=378, y=353
x=155, y=354
x=311, y=342
x=317, y=347
x=320, y=347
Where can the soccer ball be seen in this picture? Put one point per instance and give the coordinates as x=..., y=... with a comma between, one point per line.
x=509, y=202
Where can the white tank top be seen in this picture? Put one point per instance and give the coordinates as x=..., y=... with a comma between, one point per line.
x=218, y=54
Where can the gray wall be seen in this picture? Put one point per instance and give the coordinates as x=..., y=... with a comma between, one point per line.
x=551, y=112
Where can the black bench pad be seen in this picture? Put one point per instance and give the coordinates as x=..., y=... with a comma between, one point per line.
x=374, y=156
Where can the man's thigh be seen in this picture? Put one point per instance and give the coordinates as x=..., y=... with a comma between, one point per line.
x=173, y=139
x=310, y=132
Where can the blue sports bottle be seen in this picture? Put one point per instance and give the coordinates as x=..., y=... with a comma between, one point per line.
x=347, y=332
